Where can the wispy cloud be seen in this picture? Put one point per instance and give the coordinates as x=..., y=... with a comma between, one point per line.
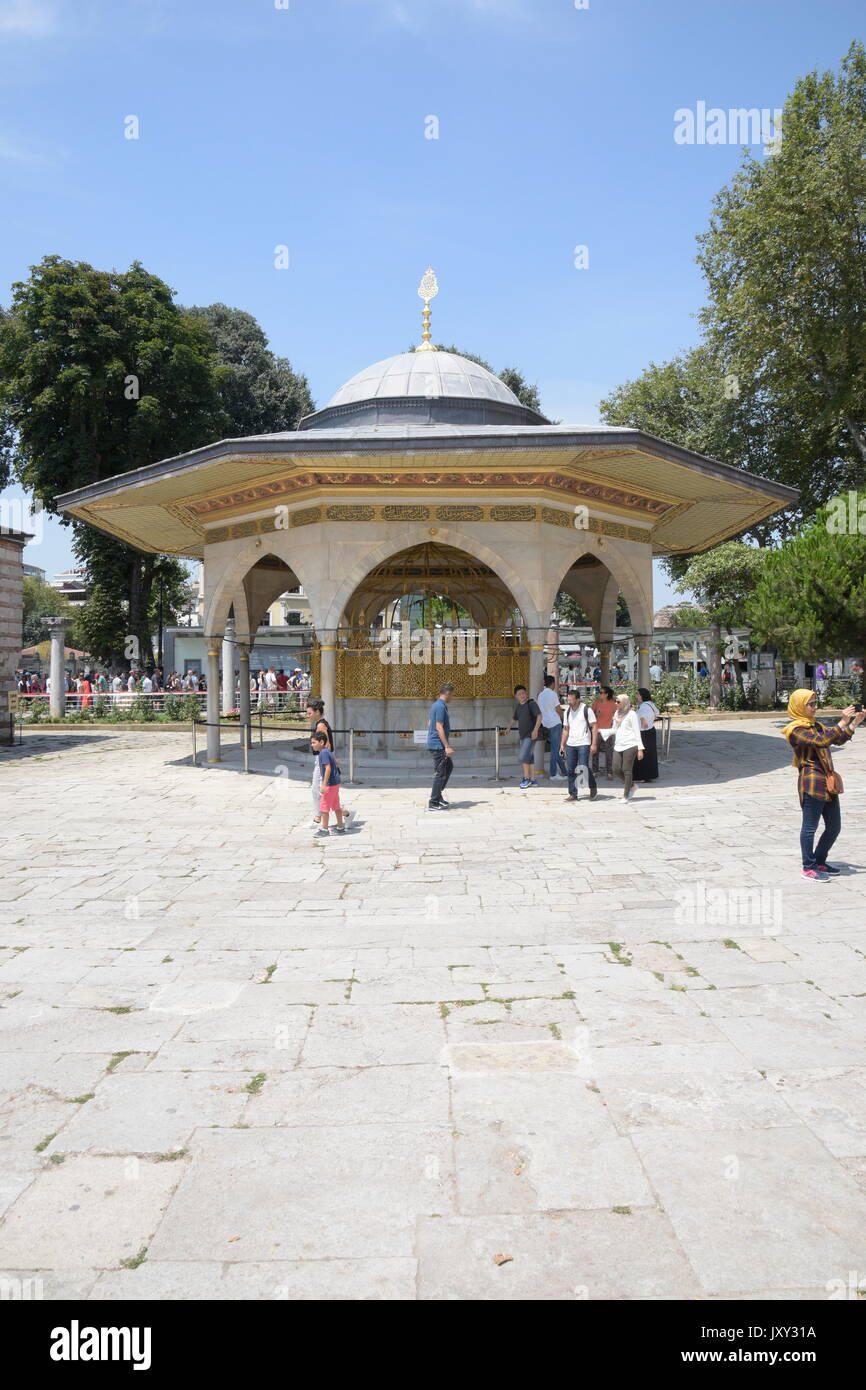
x=29, y=19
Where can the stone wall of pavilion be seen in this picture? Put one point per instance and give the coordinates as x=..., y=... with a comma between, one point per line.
x=11, y=576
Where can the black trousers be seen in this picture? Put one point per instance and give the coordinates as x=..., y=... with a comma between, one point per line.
x=442, y=770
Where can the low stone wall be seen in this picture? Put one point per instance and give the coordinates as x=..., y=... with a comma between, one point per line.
x=411, y=715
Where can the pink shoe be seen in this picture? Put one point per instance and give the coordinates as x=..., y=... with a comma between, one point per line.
x=814, y=876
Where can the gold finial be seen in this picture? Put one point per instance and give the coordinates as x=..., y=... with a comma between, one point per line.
x=427, y=290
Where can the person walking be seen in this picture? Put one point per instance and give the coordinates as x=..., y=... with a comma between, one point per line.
x=551, y=718
x=329, y=777
x=439, y=747
x=818, y=785
x=318, y=725
x=526, y=719
x=604, y=708
x=627, y=744
x=579, y=740
x=647, y=769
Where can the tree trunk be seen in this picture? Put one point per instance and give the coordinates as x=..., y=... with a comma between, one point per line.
x=858, y=435
x=140, y=585
x=715, y=666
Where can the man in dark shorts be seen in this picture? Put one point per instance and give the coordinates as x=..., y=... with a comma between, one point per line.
x=438, y=731
x=527, y=721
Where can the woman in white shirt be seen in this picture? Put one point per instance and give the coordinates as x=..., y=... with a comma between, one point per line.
x=627, y=744
x=647, y=714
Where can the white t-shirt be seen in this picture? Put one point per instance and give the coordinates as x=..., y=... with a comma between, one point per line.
x=647, y=711
x=116, y=683
x=147, y=686
x=656, y=672
x=547, y=703
x=578, y=728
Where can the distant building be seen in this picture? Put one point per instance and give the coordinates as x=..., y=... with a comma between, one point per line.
x=74, y=584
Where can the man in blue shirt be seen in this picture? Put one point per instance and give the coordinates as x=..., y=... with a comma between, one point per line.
x=438, y=730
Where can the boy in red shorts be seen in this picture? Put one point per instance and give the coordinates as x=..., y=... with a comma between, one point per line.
x=330, y=794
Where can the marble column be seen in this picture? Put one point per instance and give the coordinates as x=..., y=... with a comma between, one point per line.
x=244, y=693
x=228, y=664
x=213, y=700
x=605, y=651
x=642, y=641
x=328, y=692
x=552, y=663
x=536, y=681
x=57, y=700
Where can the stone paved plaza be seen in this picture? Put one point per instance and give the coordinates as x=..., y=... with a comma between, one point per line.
x=624, y=1046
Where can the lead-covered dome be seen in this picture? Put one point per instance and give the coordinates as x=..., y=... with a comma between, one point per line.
x=426, y=388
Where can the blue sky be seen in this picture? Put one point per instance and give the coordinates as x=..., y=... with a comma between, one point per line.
x=302, y=123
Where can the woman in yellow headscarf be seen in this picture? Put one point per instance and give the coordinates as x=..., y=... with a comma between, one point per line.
x=818, y=785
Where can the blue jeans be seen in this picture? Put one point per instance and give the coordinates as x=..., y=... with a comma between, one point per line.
x=578, y=757
x=442, y=769
x=557, y=762
x=814, y=810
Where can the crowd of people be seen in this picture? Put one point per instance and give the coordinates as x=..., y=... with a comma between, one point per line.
x=577, y=734
x=270, y=688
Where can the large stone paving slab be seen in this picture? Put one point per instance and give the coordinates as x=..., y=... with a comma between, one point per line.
x=330, y=1192
x=624, y=1046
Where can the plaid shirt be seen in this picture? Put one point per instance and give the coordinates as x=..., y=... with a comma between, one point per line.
x=812, y=756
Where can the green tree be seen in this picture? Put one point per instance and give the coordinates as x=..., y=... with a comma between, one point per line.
x=569, y=611
x=101, y=373
x=809, y=601
x=694, y=401
x=103, y=627
x=721, y=581
x=785, y=259
x=40, y=602
x=260, y=393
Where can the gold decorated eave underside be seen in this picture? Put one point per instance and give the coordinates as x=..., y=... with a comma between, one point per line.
x=446, y=514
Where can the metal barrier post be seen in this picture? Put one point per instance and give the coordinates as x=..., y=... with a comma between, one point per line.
x=261, y=735
x=352, y=755
x=496, y=746
x=246, y=750
x=194, y=753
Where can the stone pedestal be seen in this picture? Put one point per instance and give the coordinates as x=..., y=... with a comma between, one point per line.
x=57, y=701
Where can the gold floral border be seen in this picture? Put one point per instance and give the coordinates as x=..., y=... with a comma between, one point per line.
x=447, y=512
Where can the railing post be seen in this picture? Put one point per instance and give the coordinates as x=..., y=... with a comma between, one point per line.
x=496, y=746
x=352, y=755
x=194, y=752
x=246, y=751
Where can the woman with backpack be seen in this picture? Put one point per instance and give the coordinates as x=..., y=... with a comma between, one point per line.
x=818, y=785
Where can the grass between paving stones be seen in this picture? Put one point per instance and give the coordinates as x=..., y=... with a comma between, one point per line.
x=116, y=1060
x=43, y=1143
x=620, y=958
x=135, y=1260
x=171, y=1155
x=269, y=970
x=254, y=1086
x=81, y=1100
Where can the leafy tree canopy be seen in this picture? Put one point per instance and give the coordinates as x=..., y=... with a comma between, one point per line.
x=260, y=393
x=809, y=599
